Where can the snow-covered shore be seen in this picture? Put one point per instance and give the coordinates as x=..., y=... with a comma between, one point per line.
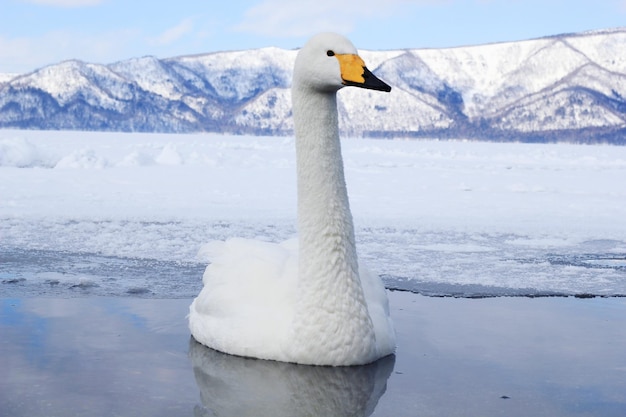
x=439, y=217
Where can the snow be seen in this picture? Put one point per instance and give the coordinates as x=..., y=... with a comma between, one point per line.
x=5, y=77
x=93, y=83
x=116, y=213
x=144, y=71
x=255, y=70
x=513, y=89
x=555, y=85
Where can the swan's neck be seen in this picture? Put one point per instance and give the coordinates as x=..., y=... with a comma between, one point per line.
x=324, y=218
x=331, y=296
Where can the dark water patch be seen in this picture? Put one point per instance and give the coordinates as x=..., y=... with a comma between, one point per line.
x=84, y=285
x=437, y=289
x=13, y=280
x=138, y=291
x=590, y=260
x=72, y=274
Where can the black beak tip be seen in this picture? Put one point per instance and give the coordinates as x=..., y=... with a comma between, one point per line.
x=373, y=82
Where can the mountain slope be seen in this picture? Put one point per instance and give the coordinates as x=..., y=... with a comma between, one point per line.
x=567, y=87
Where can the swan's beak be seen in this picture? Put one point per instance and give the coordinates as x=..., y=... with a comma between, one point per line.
x=355, y=73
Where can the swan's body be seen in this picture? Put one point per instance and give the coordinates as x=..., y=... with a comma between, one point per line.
x=310, y=301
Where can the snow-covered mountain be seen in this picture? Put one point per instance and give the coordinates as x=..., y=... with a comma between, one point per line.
x=567, y=87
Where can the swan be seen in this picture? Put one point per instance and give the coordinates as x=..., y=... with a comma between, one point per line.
x=306, y=301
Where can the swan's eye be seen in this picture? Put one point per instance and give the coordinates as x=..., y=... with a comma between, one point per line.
x=330, y=53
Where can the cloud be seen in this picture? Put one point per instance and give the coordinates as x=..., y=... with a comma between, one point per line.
x=24, y=54
x=174, y=33
x=288, y=18
x=65, y=3
x=27, y=53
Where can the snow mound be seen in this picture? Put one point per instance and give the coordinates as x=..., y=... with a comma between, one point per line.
x=84, y=158
x=169, y=156
x=20, y=153
x=136, y=159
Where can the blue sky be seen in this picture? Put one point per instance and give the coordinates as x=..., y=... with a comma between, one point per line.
x=35, y=33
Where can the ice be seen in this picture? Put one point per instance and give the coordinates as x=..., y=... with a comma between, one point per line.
x=437, y=217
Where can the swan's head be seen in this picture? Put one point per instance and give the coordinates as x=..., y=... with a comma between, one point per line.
x=328, y=62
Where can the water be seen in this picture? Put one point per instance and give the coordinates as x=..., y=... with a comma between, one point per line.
x=104, y=356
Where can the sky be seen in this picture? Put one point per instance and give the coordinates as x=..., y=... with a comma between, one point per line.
x=36, y=33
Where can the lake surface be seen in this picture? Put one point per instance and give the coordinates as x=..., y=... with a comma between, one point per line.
x=513, y=356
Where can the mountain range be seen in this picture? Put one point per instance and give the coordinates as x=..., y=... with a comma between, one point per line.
x=569, y=87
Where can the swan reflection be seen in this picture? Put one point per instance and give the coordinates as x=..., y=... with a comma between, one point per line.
x=235, y=386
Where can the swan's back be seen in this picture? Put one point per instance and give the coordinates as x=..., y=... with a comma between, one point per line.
x=247, y=301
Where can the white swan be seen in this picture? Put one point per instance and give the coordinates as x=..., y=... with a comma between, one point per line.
x=306, y=301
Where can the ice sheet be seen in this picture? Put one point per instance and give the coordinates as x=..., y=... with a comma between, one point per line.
x=441, y=218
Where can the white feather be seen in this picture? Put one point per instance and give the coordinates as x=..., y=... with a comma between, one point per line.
x=307, y=301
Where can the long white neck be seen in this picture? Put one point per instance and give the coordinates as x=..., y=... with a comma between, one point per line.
x=324, y=218
x=331, y=296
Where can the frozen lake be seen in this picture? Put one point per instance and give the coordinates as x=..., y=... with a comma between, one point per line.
x=128, y=214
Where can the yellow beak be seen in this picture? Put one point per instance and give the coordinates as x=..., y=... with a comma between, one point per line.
x=355, y=73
